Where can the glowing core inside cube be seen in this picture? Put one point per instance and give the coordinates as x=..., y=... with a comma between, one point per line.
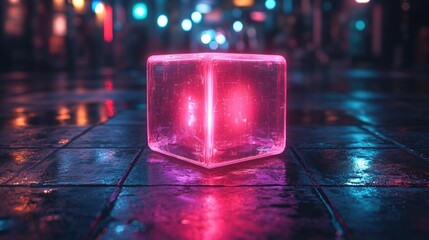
x=215, y=109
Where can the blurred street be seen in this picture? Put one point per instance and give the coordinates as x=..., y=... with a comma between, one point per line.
x=76, y=35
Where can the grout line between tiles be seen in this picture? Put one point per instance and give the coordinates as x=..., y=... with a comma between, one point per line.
x=400, y=145
x=17, y=173
x=337, y=221
x=98, y=223
x=346, y=147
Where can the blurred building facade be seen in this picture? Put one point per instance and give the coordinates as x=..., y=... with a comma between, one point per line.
x=43, y=35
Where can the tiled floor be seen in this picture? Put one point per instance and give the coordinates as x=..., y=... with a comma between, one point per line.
x=74, y=164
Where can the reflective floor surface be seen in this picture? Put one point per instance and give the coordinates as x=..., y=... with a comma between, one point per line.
x=74, y=164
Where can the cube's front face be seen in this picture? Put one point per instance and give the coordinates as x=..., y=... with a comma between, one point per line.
x=216, y=109
x=176, y=106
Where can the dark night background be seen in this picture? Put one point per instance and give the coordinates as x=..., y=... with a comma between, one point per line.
x=50, y=35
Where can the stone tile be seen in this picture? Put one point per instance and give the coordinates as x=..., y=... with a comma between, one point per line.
x=36, y=137
x=49, y=213
x=85, y=114
x=410, y=136
x=76, y=96
x=424, y=152
x=129, y=117
x=383, y=213
x=320, y=117
x=112, y=136
x=385, y=167
x=154, y=169
x=163, y=197
x=332, y=137
x=80, y=166
x=408, y=117
x=14, y=160
x=218, y=213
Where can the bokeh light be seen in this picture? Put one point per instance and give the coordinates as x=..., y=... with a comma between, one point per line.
x=206, y=38
x=140, y=11
x=270, y=4
x=243, y=3
x=186, y=25
x=79, y=5
x=196, y=17
x=59, y=26
x=162, y=21
x=97, y=6
x=220, y=38
x=237, y=26
x=360, y=25
x=213, y=45
x=203, y=8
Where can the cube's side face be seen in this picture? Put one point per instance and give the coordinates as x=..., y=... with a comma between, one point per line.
x=176, y=107
x=249, y=109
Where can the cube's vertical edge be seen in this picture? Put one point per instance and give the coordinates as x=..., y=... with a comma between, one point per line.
x=148, y=87
x=209, y=111
x=284, y=79
x=285, y=107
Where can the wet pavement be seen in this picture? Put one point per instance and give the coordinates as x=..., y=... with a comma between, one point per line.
x=74, y=164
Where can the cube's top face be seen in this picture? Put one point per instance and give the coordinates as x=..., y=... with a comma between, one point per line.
x=215, y=109
x=216, y=56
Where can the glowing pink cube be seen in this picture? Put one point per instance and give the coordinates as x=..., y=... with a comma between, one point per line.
x=215, y=109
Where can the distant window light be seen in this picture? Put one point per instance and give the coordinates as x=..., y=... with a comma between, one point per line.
x=360, y=25
x=362, y=1
x=237, y=26
x=59, y=25
x=243, y=3
x=211, y=33
x=220, y=38
x=140, y=11
x=270, y=4
x=206, y=38
x=97, y=6
x=79, y=5
x=196, y=17
x=258, y=16
x=59, y=4
x=162, y=21
x=213, y=45
x=186, y=25
x=203, y=8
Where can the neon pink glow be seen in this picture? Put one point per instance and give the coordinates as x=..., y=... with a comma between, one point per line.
x=215, y=109
x=108, y=23
x=258, y=16
x=191, y=112
x=110, y=107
